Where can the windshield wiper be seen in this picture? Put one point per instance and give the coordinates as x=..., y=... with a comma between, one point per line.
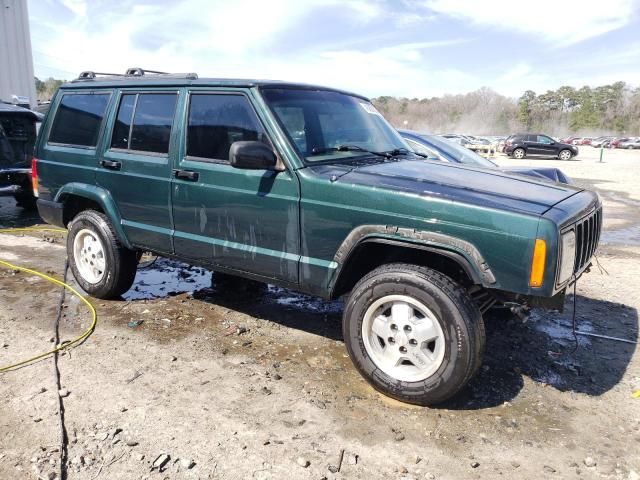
x=403, y=151
x=349, y=148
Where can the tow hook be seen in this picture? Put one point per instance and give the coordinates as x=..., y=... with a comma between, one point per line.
x=523, y=312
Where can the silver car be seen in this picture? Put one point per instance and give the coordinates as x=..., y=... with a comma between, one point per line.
x=630, y=144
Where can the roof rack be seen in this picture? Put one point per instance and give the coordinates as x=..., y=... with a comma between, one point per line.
x=130, y=73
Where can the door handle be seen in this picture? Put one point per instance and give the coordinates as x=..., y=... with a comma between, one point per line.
x=110, y=165
x=186, y=175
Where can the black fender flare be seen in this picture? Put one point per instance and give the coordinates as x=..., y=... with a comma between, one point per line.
x=461, y=251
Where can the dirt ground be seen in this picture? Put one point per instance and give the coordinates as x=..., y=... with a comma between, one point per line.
x=257, y=384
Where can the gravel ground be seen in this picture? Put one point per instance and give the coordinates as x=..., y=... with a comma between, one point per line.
x=186, y=378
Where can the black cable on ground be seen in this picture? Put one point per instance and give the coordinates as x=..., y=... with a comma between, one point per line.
x=574, y=321
x=64, y=440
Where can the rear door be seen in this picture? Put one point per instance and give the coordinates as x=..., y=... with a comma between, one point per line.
x=246, y=220
x=533, y=148
x=135, y=164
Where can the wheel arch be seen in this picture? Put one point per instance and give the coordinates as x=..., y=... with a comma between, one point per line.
x=370, y=246
x=76, y=197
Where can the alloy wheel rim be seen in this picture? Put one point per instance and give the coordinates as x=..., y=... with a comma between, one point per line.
x=403, y=338
x=519, y=154
x=565, y=155
x=89, y=256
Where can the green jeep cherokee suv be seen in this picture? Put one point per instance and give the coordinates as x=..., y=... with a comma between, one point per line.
x=309, y=188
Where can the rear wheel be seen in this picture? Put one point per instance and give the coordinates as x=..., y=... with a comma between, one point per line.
x=519, y=153
x=413, y=333
x=99, y=263
x=565, y=155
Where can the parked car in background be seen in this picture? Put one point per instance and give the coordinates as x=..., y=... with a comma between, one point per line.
x=615, y=142
x=569, y=140
x=438, y=148
x=630, y=143
x=583, y=141
x=523, y=144
x=600, y=141
x=17, y=139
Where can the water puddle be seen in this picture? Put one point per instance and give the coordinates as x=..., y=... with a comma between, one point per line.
x=167, y=277
x=560, y=329
x=296, y=300
x=621, y=236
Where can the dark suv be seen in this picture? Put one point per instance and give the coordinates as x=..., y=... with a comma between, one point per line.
x=523, y=144
x=17, y=140
x=308, y=188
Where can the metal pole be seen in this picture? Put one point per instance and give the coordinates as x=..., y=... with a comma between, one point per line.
x=606, y=337
x=601, y=152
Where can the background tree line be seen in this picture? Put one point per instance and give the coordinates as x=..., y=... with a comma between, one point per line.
x=46, y=88
x=609, y=109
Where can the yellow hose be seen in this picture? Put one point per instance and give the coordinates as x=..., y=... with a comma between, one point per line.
x=55, y=281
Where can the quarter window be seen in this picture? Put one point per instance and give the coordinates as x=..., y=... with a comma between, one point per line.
x=78, y=119
x=144, y=122
x=216, y=121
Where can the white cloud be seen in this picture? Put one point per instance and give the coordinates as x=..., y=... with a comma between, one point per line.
x=561, y=22
x=215, y=43
x=217, y=38
x=78, y=7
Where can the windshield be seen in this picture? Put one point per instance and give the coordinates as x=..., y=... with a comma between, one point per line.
x=458, y=152
x=329, y=126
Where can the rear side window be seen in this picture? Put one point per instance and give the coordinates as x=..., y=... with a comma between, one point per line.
x=144, y=122
x=78, y=119
x=216, y=121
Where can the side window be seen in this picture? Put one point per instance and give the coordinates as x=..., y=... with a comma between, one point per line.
x=78, y=118
x=122, y=128
x=544, y=139
x=218, y=120
x=144, y=122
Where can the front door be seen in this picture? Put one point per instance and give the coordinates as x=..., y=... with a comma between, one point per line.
x=547, y=146
x=246, y=220
x=135, y=166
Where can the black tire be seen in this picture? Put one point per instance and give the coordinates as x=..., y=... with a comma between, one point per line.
x=459, y=318
x=515, y=155
x=120, y=262
x=565, y=150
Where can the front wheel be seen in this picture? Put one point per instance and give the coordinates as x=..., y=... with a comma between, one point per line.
x=519, y=153
x=413, y=333
x=565, y=155
x=99, y=263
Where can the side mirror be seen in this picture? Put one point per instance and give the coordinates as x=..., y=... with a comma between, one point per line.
x=252, y=155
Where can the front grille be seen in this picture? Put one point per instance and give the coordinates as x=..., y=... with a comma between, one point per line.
x=587, y=236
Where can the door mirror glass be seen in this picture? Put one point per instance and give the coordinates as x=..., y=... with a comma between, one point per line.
x=252, y=155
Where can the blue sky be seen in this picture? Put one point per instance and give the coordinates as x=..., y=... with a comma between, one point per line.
x=388, y=47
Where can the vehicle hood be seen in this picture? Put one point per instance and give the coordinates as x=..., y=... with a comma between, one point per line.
x=542, y=173
x=492, y=188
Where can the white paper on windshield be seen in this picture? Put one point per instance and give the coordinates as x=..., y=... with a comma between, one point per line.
x=367, y=107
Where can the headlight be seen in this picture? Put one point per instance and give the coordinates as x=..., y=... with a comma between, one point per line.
x=567, y=256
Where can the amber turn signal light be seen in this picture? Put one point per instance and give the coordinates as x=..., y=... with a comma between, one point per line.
x=537, y=263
